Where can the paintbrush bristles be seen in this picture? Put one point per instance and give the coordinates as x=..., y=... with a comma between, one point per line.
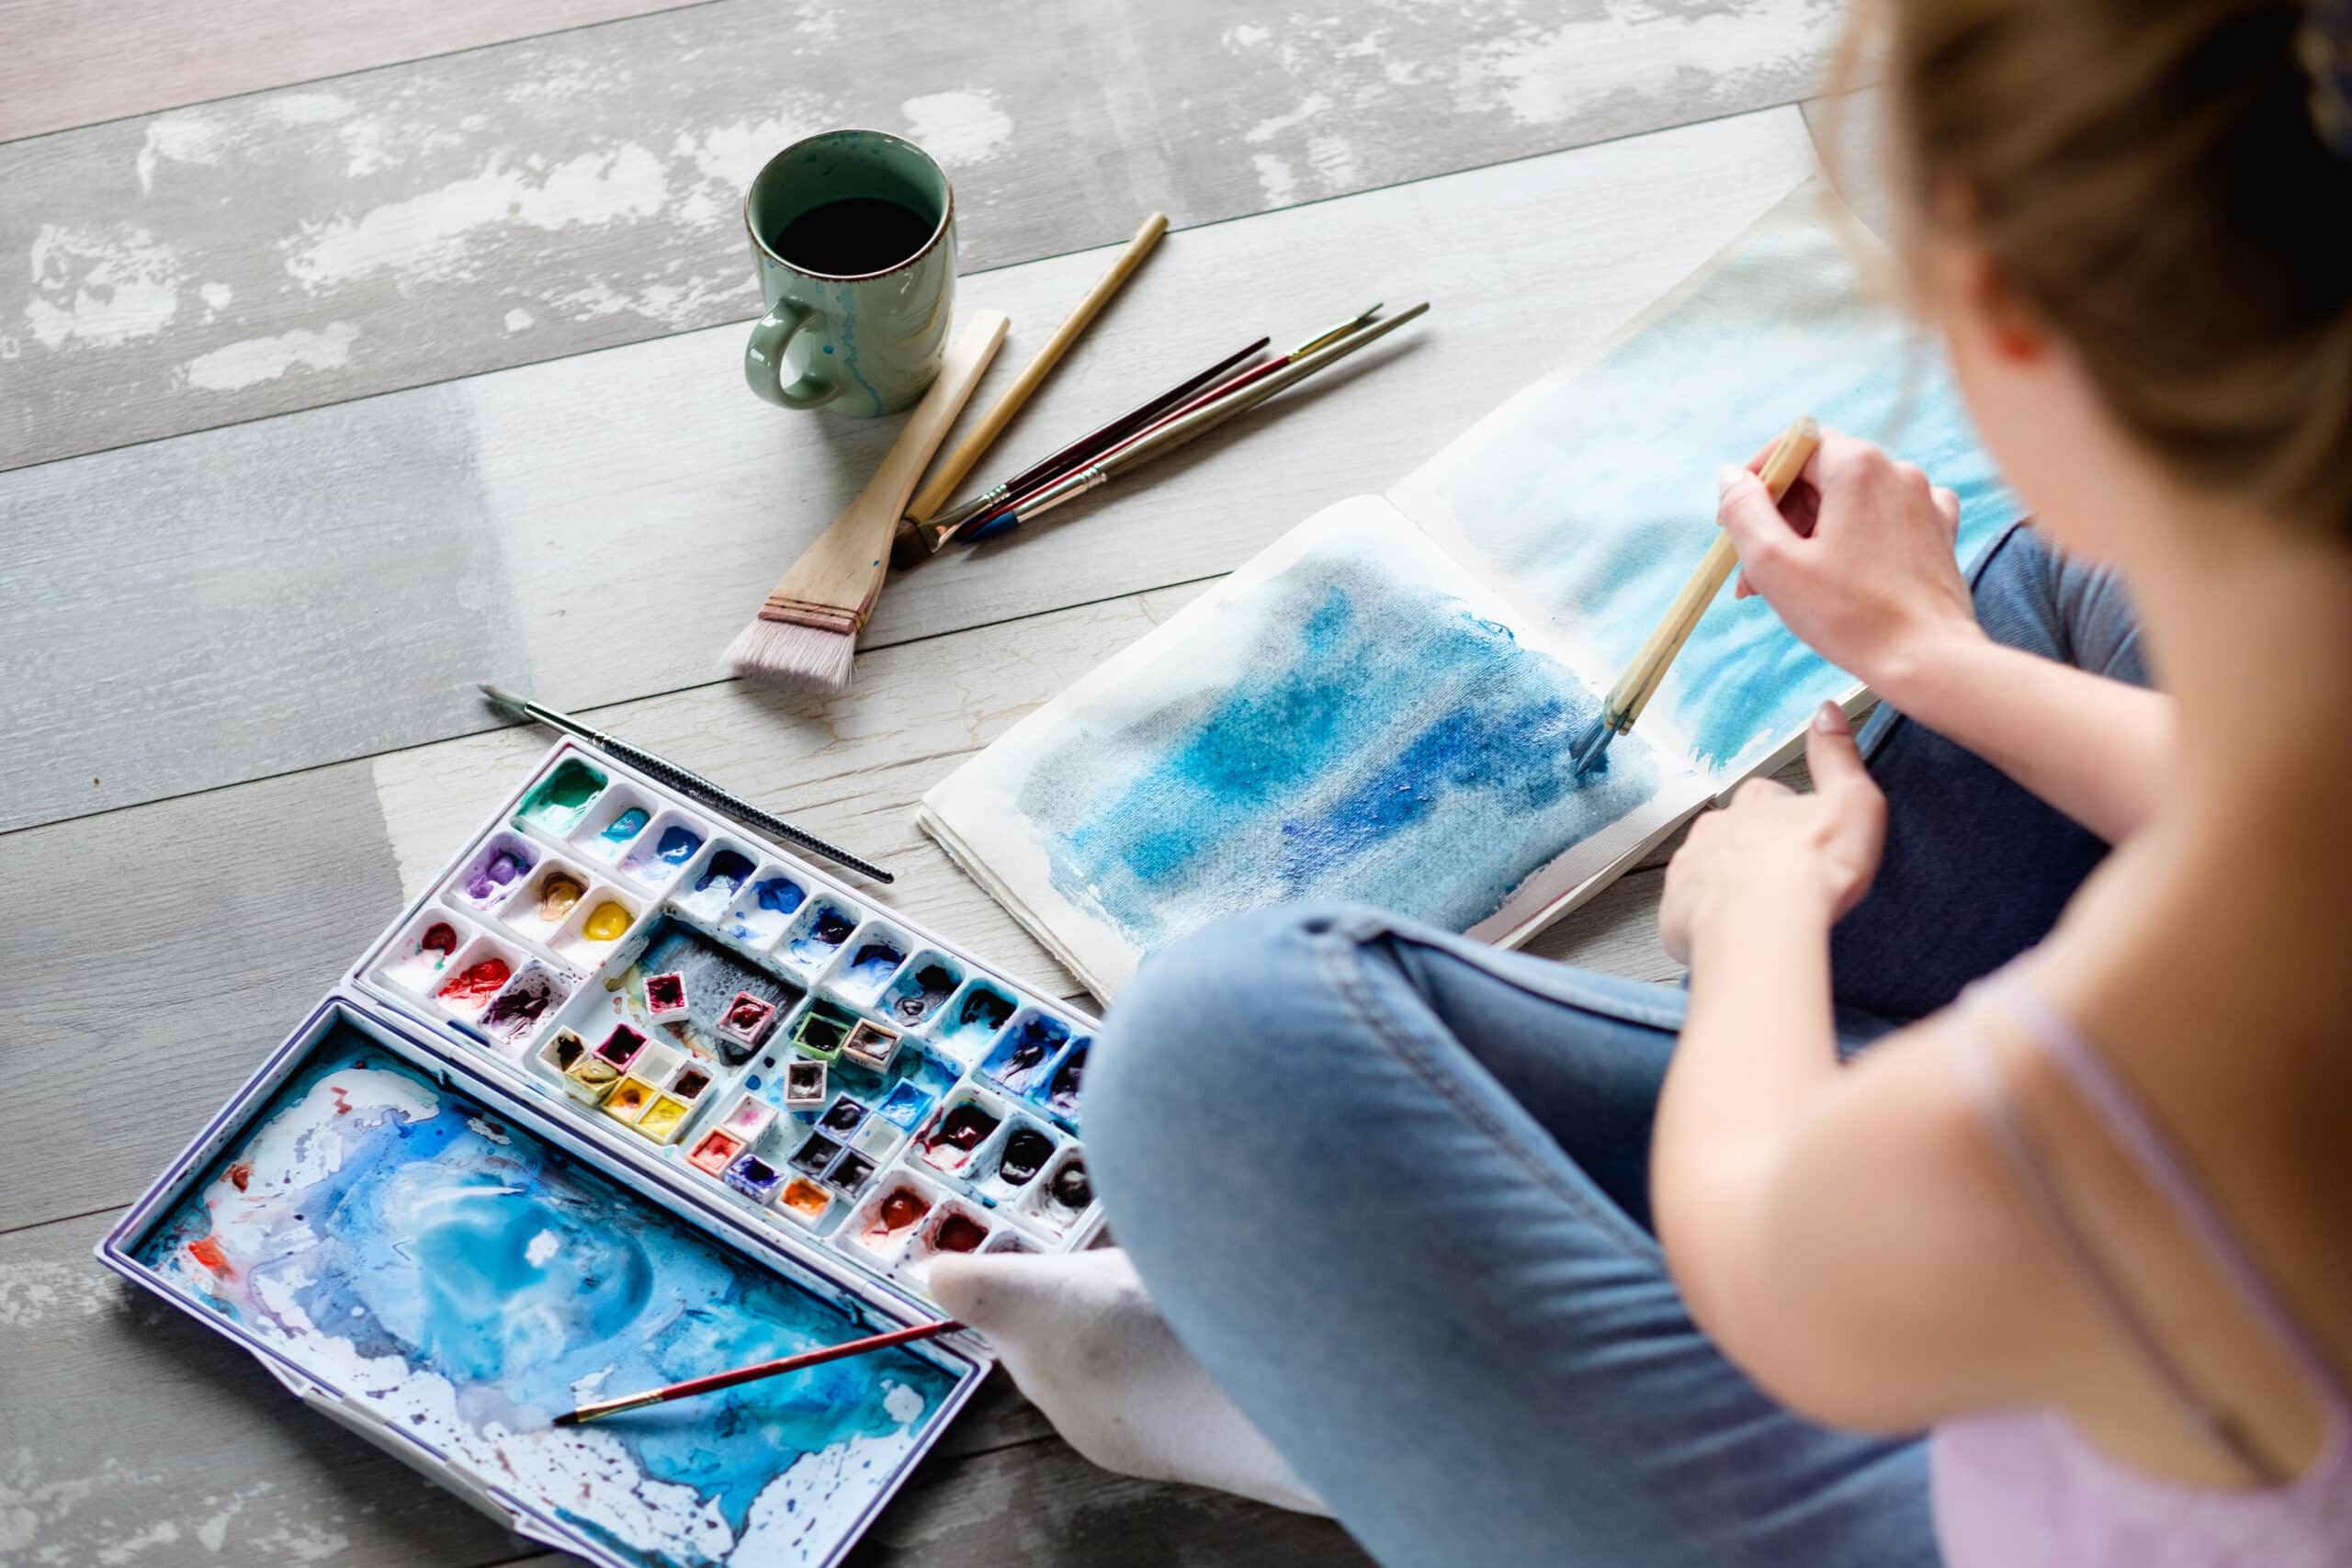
x=784, y=653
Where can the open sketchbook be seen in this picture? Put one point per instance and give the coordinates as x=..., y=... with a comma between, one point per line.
x=1379, y=708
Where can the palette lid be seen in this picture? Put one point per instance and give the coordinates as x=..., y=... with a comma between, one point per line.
x=488, y=1268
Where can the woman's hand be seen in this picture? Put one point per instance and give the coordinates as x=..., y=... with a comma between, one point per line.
x=1858, y=559
x=1775, y=855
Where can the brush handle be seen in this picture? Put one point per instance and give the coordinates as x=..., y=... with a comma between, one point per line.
x=833, y=585
x=696, y=787
x=1648, y=672
x=753, y=1373
x=968, y=451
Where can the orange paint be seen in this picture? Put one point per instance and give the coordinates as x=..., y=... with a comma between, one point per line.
x=238, y=1174
x=207, y=1251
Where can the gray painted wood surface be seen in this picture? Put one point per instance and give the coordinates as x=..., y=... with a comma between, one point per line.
x=326, y=584
x=566, y=193
x=238, y=637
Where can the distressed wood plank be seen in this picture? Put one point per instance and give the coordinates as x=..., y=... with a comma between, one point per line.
x=250, y=901
x=101, y=1384
x=66, y=63
x=573, y=191
x=293, y=591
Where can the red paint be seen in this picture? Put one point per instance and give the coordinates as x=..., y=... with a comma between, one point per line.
x=478, y=982
x=959, y=1233
x=341, y=1101
x=238, y=1174
x=207, y=1251
x=439, y=937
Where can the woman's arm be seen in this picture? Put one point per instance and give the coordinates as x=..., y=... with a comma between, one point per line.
x=1859, y=563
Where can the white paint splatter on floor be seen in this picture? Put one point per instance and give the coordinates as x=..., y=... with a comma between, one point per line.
x=100, y=288
x=259, y=359
x=32, y=1294
x=957, y=127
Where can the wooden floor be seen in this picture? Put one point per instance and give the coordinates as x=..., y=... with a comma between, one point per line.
x=342, y=367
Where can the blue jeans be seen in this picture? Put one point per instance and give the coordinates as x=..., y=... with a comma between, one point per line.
x=1391, y=1187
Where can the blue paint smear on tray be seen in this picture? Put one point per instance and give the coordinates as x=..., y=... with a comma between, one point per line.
x=1595, y=495
x=1381, y=744
x=366, y=1212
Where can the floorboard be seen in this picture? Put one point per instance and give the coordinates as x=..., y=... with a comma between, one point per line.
x=66, y=63
x=573, y=191
x=288, y=592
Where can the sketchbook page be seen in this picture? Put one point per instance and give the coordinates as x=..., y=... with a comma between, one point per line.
x=1351, y=715
x=1589, y=497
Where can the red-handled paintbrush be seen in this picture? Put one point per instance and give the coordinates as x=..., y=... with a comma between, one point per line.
x=717, y=1381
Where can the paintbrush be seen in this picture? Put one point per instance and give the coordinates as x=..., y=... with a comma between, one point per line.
x=717, y=1381
x=1170, y=434
x=958, y=462
x=691, y=785
x=806, y=633
x=926, y=537
x=1643, y=677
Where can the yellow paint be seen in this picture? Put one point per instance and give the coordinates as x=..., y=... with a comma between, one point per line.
x=606, y=922
x=558, y=894
x=593, y=1071
x=629, y=1098
x=663, y=1118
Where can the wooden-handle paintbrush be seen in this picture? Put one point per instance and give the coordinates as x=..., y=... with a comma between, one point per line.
x=805, y=634
x=753, y=1373
x=1182, y=428
x=1643, y=677
x=972, y=447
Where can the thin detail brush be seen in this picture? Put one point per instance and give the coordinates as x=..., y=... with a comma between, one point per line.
x=1170, y=434
x=1643, y=677
x=805, y=634
x=754, y=1373
x=691, y=785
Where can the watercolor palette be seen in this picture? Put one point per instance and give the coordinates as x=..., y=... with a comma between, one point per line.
x=629, y=1095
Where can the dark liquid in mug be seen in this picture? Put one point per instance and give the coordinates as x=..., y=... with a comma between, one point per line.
x=855, y=235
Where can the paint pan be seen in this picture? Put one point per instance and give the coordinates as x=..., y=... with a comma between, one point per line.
x=714, y=976
x=712, y=881
x=613, y=822
x=869, y=960
x=692, y=1083
x=746, y=1019
x=1024, y=1052
x=849, y=1173
x=842, y=1118
x=630, y=1098
x=964, y=1122
x=715, y=1151
x=665, y=1119
x=658, y=1062
x=953, y=1225
x=876, y=1139
x=562, y=798
x=749, y=1119
x=419, y=961
x=560, y=1050
x=762, y=909
x=816, y=933
x=663, y=849
x=542, y=902
x=754, y=1177
x=1010, y=1165
x=516, y=1014
x=803, y=1201
x=804, y=1084
x=491, y=874
x=924, y=987
x=1007, y=1239
x=1062, y=1196
x=972, y=1019
x=815, y=1153
x=871, y=1046
x=822, y=1030
x=887, y=1217
x=605, y=914
x=1062, y=1086
x=476, y=974
x=665, y=996
x=590, y=1079
x=621, y=1047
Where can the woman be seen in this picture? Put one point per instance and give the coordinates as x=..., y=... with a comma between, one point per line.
x=1525, y=1264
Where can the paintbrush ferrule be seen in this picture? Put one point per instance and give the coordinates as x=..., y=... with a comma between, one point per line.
x=1045, y=500
x=1337, y=331
x=956, y=517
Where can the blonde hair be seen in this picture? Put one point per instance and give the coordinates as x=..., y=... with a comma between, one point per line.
x=2162, y=181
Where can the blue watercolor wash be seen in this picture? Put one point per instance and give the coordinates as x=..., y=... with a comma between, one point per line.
x=828, y=928
x=1595, y=495
x=1380, y=743
x=780, y=894
x=981, y=1013
x=384, y=1216
x=905, y=1105
x=725, y=872
x=1020, y=1058
x=873, y=964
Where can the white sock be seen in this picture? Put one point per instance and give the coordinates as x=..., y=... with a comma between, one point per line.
x=1085, y=1344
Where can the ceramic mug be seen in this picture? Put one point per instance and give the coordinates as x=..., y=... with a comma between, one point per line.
x=858, y=342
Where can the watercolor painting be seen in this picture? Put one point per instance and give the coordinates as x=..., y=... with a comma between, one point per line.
x=467, y=1281
x=1350, y=718
x=1592, y=494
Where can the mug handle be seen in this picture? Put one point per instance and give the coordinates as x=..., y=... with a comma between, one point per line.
x=763, y=360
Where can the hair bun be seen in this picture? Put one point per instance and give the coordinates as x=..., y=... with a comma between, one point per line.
x=2325, y=45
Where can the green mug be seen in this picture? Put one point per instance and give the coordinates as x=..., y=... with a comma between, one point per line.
x=853, y=233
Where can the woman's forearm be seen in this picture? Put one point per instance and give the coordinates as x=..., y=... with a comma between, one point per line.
x=2097, y=749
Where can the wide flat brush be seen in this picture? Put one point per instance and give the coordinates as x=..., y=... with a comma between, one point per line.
x=805, y=634
x=1648, y=672
x=752, y=1374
